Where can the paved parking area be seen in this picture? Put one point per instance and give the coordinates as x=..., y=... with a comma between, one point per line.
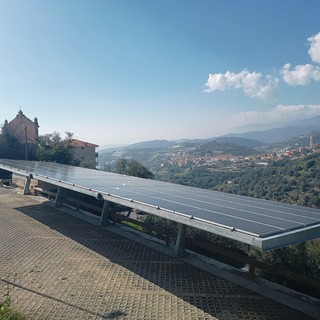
x=56, y=266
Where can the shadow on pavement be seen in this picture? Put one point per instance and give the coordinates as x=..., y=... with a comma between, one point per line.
x=199, y=288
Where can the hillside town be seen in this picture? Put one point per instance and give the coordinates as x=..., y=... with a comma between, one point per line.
x=189, y=156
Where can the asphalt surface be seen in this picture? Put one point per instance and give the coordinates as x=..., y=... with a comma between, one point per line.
x=56, y=266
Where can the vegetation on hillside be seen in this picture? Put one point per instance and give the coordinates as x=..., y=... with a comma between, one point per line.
x=214, y=147
x=296, y=181
x=249, y=143
x=199, y=177
x=300, y=141
x=133, y=168
x=302, y=259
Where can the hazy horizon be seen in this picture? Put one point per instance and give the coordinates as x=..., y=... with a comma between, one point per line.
x=120, y=72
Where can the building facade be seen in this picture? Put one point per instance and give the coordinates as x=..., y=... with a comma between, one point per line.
x=26, y=132
x=24, y=129
x=84, y=153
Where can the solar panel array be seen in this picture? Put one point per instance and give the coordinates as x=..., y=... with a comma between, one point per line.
x=256, y=217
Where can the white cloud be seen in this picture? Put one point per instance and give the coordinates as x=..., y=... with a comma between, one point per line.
x=300, y=75
x=314, y=49
x=278, y=114
x=253, y=84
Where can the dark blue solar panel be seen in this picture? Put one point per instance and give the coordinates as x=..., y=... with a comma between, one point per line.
x=253, y=216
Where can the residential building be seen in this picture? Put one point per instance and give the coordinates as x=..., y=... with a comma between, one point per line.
x=84, y=153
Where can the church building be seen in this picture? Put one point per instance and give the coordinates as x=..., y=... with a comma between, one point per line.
x=27, y=132
x=24, y=129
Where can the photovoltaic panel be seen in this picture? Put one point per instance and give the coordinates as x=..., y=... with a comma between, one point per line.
x=255, y=217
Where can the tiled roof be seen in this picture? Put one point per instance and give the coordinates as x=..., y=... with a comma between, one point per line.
x=79, y=143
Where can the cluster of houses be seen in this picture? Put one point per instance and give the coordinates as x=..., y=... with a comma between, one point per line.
x=189, y=156
x=27, y=132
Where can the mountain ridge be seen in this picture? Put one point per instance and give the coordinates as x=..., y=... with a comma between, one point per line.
x=250, y=139
x=274, y=125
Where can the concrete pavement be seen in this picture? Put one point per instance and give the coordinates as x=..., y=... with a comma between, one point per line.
x=56, y=266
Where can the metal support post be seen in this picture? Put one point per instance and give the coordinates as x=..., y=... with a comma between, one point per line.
x=58, y=199
x=105, y=214
x=181, y=239
x=26, y=189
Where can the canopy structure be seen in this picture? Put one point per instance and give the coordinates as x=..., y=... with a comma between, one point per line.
x=262, y=223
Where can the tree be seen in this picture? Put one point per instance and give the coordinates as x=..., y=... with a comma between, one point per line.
x=121, y=166
x=133, y=168
x=11, y=148
x=53, y=148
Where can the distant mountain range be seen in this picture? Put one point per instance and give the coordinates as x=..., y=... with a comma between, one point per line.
x=280, y=131
x=293, y=123
x=153, y=144
x=163, y=144
x=251, y=139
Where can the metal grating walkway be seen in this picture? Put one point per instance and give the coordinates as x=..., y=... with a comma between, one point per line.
x=59, y=267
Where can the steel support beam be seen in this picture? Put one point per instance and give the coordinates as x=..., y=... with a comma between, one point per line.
x=105, y=214
x=181, y=239
x=58, y=199
x=26, y=188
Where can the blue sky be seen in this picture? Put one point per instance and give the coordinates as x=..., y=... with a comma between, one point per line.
x=124, y=71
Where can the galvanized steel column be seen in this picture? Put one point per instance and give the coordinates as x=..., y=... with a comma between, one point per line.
x=26, y=188
x=105, y=214
x=181, y=239
x=58, y=199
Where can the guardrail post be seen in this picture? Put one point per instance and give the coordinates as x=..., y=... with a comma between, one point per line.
x=181, y=239
x=105, y=213
x=58, y=199
x=26, y=188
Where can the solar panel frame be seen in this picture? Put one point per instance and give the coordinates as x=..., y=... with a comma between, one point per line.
x=263, y=223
